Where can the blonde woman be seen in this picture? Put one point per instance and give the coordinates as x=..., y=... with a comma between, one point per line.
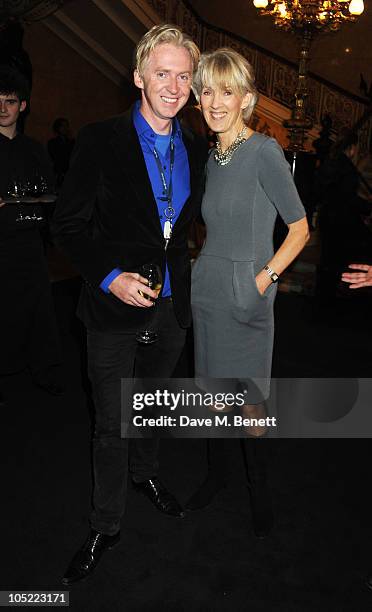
x=234, y=280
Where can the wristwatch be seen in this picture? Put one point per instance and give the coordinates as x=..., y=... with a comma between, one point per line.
x=273, y=275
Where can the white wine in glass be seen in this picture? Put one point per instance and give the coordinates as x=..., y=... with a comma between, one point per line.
x=152, y=273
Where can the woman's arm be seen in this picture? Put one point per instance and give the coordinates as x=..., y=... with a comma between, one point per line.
x=276, y=178
x=295, y=241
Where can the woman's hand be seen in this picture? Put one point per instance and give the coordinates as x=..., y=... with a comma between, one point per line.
x=263, y=281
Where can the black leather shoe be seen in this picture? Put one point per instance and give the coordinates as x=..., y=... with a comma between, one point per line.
x=162, y=499
x=86, y=559
x=369, y=582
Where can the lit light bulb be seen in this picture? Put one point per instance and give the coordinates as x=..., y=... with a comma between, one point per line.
x=282, y=9
x=356, y=7
x=260, y=3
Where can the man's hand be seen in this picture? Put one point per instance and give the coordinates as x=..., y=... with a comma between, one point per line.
x=358, y=279
x=126, y=287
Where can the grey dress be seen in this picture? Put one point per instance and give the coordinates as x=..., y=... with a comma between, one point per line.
x=233, y=322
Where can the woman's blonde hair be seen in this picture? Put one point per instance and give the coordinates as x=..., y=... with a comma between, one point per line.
x=160, y=34
x=226, y=68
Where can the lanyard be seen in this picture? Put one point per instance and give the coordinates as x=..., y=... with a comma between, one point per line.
x=169, y=211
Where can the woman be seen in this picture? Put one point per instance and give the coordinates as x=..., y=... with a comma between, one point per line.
x=248, y=182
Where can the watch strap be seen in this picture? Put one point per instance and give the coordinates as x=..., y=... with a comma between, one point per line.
x=273, y=275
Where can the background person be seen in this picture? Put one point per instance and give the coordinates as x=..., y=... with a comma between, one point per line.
x=344, y=235
x=60, y=149
x=357, y=280
x=28, y=330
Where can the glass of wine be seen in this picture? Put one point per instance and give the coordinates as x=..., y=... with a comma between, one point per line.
x=36, y=187
x=15, y=192
x=152, y=273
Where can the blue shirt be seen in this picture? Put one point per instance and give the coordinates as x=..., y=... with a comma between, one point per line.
x=181, y=176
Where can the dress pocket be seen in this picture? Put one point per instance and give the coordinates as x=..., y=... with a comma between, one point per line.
x=245, y=291
x=270, y=289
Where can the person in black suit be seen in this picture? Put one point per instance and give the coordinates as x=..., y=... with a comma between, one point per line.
x=28, y=326
x=128, y=199
x=60, y=148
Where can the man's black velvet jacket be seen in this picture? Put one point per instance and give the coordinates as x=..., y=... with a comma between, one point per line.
x=106, y=217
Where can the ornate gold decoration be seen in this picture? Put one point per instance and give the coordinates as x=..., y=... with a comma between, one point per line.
x=310, y=15
x=276, y=78
x=306, y=18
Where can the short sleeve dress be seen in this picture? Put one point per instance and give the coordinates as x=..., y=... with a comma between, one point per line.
x=233, y=322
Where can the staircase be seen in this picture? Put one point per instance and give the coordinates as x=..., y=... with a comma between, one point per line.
x=105, y=33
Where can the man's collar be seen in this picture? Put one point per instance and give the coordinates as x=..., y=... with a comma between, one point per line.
x=143, y=128
x=8, y=137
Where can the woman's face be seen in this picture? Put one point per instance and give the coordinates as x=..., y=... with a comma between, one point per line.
x=222, y=109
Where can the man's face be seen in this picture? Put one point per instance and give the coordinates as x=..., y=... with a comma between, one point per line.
x=165, y=83
x=10, y=108
x=64, y=128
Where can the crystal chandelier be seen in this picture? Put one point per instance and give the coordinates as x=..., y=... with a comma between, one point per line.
x=306, y=19
x=312, y=15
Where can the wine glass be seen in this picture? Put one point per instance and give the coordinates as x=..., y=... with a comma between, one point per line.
x=153, y=274
x=16, y=189
x=37, y=186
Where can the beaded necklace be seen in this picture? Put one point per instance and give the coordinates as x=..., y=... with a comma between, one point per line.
x=224, y=157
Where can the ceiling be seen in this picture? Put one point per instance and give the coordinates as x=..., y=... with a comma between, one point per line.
x=104, y=32
x=338, y=58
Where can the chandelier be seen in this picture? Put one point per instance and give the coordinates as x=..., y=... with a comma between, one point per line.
x=306, y=19
x=310, y=15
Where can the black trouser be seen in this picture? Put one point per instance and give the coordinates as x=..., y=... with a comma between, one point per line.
x=110, y=358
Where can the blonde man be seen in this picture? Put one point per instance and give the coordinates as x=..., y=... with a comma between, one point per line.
x=111, y=218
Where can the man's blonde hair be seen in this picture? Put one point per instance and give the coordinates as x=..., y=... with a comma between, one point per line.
x=226, y=68
x=160, y=34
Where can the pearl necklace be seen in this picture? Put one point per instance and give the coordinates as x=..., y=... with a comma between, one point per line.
x=224, y=157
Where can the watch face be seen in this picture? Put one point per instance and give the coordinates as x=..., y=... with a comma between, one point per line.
x=274, y=277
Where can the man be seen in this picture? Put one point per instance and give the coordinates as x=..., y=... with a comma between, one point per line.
x=28, y=328
x=60, y=148
x=126, y=202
